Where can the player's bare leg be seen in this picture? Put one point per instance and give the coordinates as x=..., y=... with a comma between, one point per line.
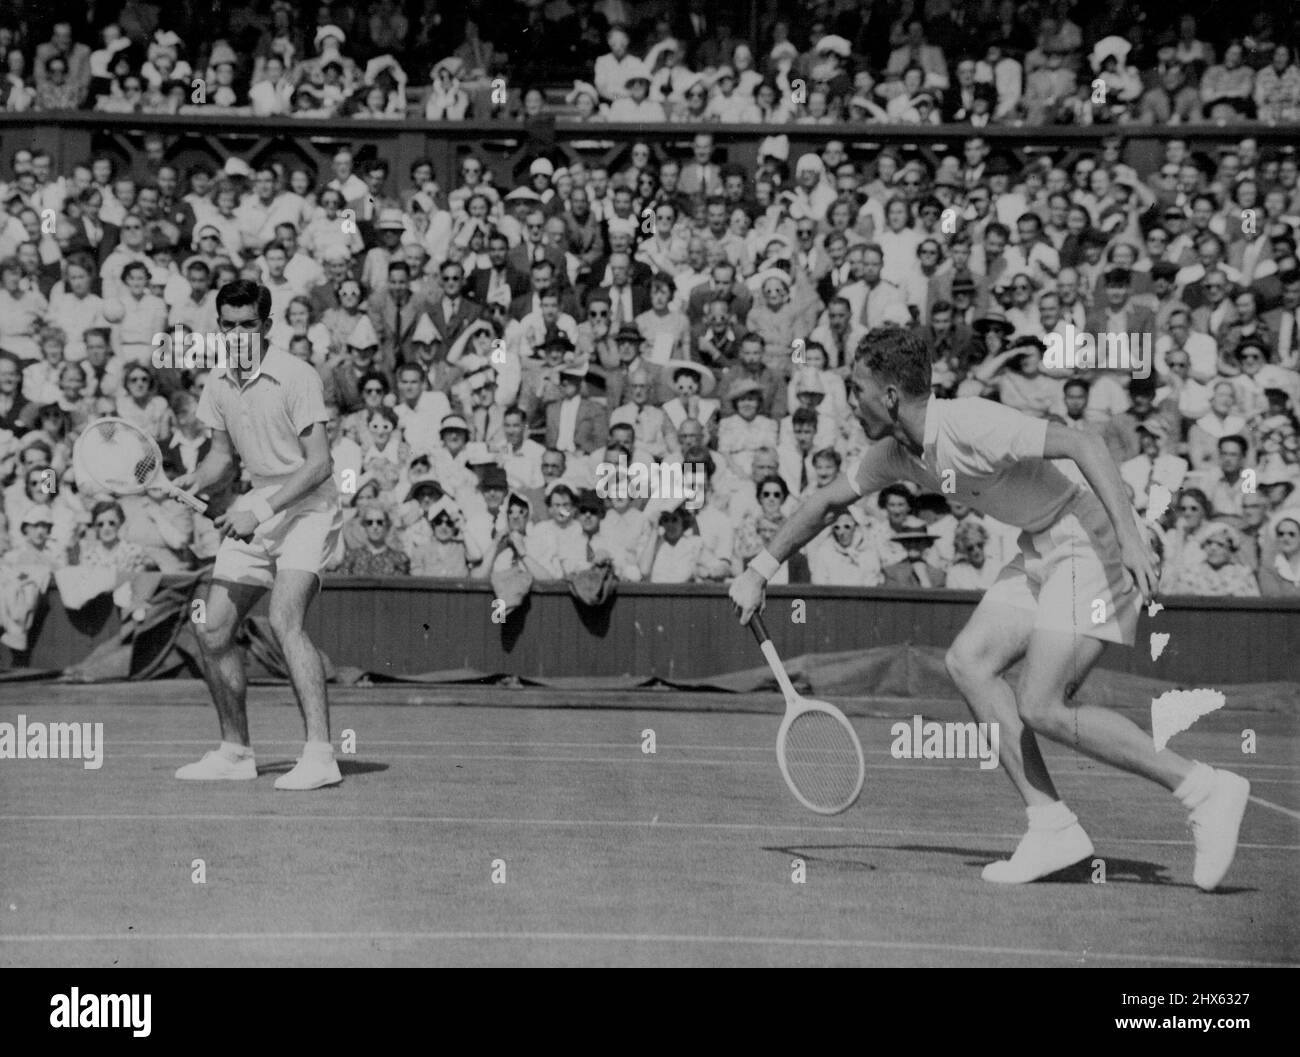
x=1057, y=662
x=996, y=636
x=994, y=639
x=225, y=608
x=293, y=592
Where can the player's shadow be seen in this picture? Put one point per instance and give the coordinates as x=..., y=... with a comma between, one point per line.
x=346, y=767
x=815, y=853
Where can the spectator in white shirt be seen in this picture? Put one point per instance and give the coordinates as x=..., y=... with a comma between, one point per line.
x=843, y=558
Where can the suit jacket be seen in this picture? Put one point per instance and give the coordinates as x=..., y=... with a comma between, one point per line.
x=521, y=261
x=1139, y=320
x=640, y=299
x=107, y=243
x=394, y=334
x=739, y=297
x=591, y=431
x=480, y=281
x=639, y=274
x=523, y=304
x=322, y=297
x=661, y=389
x=342, y=387
x=450, y=329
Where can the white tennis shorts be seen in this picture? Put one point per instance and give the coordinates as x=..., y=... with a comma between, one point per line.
x=307, y=536
x=1071, y=578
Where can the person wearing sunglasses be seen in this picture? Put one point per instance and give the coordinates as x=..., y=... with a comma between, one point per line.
x=444, y=554
x=103, y=546
x=375, y=557
x=1281, y=578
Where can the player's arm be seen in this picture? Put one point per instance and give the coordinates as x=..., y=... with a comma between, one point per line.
x=316, y=469
x=1093, y=458
x=808, y=519
x=215, y=468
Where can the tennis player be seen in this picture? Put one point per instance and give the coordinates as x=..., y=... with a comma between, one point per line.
x=1080, y=551
x=279, y=536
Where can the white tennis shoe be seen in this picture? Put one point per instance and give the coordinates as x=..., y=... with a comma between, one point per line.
x=310, y=774
x=1039, y=853
x=1215, y=823
x=216, y=767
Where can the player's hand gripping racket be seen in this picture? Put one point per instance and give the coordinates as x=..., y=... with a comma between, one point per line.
x=817, y=749
x=122, y=459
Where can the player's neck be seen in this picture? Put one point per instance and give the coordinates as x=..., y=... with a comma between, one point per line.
x=909, y=427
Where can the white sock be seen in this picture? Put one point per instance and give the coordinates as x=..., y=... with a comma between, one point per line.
x=234, y=753
x=1051, y=816
x=319, y=751
x=1197, y=786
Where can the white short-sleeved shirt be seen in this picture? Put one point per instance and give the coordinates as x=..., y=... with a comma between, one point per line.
x=267, y=415
x=995, y=458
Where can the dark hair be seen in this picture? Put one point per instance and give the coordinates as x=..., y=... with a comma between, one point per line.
x=776, y=479
x=561, y=488
x=240, y=293
x=896, y=489
x=1235, y=438
x=374, y=376
x=803, y=416
x=896, y=357
x=386, y=413
x=106, y=506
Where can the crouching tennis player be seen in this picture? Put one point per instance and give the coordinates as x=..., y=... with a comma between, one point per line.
x=280, y=535
x=1079, y=550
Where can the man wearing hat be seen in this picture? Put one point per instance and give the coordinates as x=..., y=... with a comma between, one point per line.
x=575, y=423
x=629, y=342
x=1116, y=313
x=914, y=571
x=342, y=376
x=1153, y=465
x=485, y=415
x=389, y=229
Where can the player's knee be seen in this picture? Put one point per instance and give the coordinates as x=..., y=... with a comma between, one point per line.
x=964, y=664
x=284, y=621
x=215, y=636
x=1043, y=714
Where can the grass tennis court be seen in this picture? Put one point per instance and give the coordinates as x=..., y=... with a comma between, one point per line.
x=611, y=856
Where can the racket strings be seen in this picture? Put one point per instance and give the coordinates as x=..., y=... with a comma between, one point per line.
x=821, y=759
x=116, y=456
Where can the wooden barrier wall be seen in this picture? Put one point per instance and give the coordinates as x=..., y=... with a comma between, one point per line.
x=687, y=631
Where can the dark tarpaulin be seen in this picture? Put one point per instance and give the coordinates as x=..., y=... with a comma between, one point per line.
x=162, y=645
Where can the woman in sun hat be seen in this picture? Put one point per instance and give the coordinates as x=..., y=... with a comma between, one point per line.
x=693, y=382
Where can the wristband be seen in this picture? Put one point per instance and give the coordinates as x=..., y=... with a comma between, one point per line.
x=765, y=565
x=260, y=507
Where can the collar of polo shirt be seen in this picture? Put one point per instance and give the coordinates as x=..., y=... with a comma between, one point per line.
x=267, y=366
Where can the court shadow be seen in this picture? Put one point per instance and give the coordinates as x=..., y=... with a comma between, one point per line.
x=514, y=625
x=346, y=767
x=820, y=853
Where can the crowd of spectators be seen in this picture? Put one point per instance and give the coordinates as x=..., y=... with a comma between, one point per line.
x=988, y=62
x=489, y=351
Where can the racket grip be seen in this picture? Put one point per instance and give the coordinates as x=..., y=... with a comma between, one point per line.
x=759, y=629
x=192, y=501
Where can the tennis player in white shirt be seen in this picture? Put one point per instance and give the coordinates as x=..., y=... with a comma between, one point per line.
x=280, y=536
x=1077, y=548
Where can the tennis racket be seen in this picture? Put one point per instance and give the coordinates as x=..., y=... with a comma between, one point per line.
x=817, y=748
x=123, y=459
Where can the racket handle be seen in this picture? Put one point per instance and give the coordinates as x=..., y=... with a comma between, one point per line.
x=192, y=501
x=759, y=629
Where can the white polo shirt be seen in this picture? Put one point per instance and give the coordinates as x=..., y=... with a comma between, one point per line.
x=995, y=455
x=266, y=416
